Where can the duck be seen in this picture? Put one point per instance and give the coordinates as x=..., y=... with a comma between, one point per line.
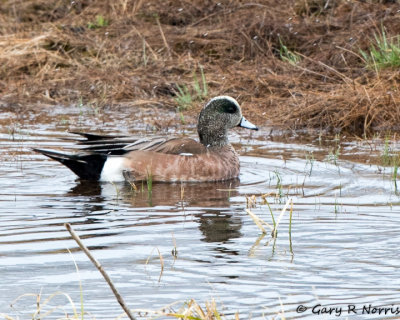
x=163, y=159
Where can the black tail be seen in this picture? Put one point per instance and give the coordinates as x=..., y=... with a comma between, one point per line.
x=95, y=137
x=86, y=166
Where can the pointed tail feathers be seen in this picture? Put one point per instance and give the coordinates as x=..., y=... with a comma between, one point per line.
x=86, y=166
x=95, y=137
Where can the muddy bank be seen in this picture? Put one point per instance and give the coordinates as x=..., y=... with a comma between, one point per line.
x=294, y=64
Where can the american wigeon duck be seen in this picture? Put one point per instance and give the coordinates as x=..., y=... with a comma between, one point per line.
x=168, y=160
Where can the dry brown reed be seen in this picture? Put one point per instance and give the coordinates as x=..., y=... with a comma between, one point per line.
x=55, y=53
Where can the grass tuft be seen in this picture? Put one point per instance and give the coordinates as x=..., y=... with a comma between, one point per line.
x=100, y=22
x=149, y=182
x=396, y=161
x=384, y=53
x=279, y=186
x=192, y=310
x=288, y=55
x=386, y=152
x=197, y=91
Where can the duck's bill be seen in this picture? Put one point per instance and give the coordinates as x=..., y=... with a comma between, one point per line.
x=244, y=123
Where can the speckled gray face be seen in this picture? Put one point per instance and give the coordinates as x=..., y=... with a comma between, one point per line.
x=225, y=109
x=220, y=114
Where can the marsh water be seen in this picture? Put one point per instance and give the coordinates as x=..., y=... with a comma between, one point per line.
x=343, y=259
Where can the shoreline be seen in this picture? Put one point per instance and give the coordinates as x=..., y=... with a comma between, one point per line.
x=295, y=64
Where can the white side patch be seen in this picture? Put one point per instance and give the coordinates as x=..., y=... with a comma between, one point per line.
x=186, y=154
x=112, y=169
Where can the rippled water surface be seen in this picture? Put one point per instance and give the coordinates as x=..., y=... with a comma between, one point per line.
x=345, y=231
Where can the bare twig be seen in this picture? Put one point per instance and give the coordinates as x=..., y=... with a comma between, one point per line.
x=101, y=270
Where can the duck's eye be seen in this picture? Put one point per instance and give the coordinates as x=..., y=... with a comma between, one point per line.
x=230, y=108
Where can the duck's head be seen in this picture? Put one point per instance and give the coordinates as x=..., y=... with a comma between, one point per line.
x=218, y=115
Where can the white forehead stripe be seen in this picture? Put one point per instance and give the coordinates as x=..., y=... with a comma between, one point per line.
x=223, y=98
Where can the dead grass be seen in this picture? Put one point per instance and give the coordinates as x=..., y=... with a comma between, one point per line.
x=55, y=53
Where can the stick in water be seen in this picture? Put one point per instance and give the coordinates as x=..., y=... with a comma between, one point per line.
x=102, y=271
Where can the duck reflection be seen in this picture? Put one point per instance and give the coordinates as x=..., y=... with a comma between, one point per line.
x=211, y=194
x=215, y=194
x=87, y=188
x=216, y=220
x=219, y=227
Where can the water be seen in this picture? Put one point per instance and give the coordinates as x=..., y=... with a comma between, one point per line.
x=345, y=229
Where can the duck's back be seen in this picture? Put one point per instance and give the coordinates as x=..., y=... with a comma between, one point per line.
x=184, y=146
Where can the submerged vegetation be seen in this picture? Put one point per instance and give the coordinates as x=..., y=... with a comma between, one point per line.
x=44, y=308
x=187, y=310
x=252, y=201
x=391, y=158
x=327, y=65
